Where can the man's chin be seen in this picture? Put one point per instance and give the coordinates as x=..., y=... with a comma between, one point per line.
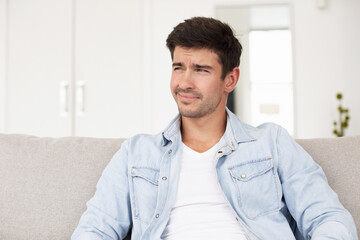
x=196, y=111
x=190, y=113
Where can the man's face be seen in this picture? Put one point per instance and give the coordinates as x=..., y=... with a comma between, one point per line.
x=196, y=83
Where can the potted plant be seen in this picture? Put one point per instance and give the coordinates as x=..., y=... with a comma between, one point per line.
x=339, y=127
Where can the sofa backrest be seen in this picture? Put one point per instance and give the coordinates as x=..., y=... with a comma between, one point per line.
x=340, y=160
x=45, y=182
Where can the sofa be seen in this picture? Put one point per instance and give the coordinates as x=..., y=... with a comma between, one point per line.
x=46, y=182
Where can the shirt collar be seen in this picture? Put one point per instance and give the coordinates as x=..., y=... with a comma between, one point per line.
x=236, y=131
x=172, y=130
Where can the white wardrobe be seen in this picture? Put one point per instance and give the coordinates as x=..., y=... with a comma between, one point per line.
x=72, y=67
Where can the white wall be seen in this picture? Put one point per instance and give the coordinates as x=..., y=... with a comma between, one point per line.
x=326, y=59
x=2, y=63
x=350, y=32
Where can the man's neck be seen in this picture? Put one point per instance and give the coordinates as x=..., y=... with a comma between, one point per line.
x=200, y=134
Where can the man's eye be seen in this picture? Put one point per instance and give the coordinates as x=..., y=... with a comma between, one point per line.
x=177, y=68
x=201, y=70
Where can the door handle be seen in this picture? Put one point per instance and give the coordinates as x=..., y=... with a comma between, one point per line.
x=80, y=98
x=64, y=98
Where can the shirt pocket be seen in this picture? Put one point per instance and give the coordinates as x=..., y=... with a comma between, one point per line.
x=257, y=186
x=145, y=188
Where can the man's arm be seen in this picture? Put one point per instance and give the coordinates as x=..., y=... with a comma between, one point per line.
x=108, y=214
x=310, y=200
x=331, y=230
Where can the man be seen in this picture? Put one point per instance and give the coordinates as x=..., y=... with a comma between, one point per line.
x=208, y=175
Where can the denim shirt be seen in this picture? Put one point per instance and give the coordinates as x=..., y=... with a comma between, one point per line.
x=274, y=187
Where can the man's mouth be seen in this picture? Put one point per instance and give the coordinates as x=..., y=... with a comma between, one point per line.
x=187, y=95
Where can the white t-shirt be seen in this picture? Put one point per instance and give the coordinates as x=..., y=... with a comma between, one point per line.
x=201, y=210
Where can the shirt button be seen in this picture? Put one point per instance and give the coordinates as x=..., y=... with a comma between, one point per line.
x=164, y=178
x=237, y=219
x=170, y=151
x=219, y=151
x=157, y=215
x=243, y=176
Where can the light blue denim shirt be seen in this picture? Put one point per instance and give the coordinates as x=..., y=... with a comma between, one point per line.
x=274, y=187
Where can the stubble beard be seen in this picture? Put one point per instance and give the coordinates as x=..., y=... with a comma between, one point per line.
x=204, y=108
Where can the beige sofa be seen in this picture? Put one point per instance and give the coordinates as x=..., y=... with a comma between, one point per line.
x=45, y=182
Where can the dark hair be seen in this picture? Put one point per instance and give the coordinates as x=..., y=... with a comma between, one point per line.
x=209, y=33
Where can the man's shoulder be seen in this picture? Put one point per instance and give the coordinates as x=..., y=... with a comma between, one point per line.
x=144, y=150
x=245, y=131
x=143, y=141
x=264, y=127
x=268, y=131
x=269, y=127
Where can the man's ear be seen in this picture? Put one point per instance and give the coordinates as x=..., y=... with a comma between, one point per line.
x=231, y=79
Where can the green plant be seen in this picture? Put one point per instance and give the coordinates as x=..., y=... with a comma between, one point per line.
x=339, y=127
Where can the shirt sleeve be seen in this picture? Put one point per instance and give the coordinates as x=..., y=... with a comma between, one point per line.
x=331, y=230
x=312, y=203
x=108, y=214
x=88, y=236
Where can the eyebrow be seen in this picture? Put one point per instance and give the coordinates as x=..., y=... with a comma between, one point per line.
x=202, y=66
x=179, y=64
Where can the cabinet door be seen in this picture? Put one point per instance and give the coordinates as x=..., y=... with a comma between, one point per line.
x=38, y=61
x=109, y=64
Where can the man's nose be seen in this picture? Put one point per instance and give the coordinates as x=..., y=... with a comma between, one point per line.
x=187, y=81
